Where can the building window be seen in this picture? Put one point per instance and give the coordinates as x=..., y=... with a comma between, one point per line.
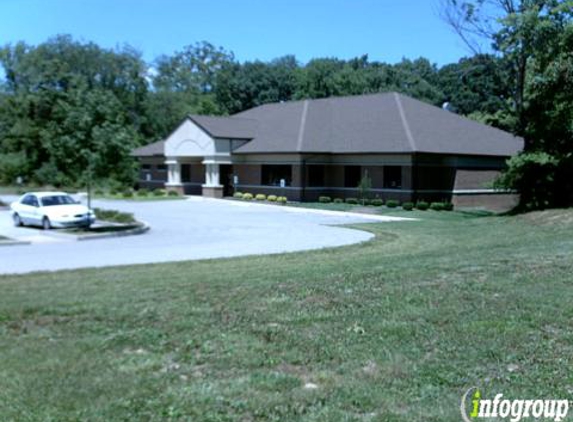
x=392, y=177
x=185, y=173
x=271, y=175
x=352, y=176
x=161, y=167
x=146, y=167
x=316, y=175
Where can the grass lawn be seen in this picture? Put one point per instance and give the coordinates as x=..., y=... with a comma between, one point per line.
x=393, y=329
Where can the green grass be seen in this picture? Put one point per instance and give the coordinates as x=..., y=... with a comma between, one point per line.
x=393, y=329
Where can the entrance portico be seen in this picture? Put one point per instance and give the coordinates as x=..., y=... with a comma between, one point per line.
x=191, y=149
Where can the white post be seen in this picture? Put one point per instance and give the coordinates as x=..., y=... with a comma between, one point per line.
x=212, y=175
x=174, y=172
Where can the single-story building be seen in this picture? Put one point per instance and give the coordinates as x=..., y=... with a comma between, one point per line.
x=305, y=149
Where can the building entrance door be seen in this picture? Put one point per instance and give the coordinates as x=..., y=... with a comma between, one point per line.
x=226, y=179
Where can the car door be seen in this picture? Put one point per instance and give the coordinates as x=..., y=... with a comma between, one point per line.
x=28, y=209
x=25, y=209
x=35, y=211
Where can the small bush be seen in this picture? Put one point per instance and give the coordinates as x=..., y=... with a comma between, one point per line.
x=114, y=192
x=338, y=201
x=448, y=206
x=392, y=203
x=172, y=193
x=142, y=192
x=159, y=192
x=272, y=198
x=422, y=205
x=260, y=197
x=98, y=192
x=247, y=196
x=437, y=206
x=238, y=195
x=377, y=202
x=324, y=199
x=114, y=216
x=282, y=200
x=353, y=201
x=408, y=206
x=128, y=193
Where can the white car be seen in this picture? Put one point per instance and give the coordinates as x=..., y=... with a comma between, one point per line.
x=51, y=209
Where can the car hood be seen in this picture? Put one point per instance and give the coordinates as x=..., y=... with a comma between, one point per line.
x=65, y=210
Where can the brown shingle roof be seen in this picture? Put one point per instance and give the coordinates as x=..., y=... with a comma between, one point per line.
x=226, y=127
x=154, y=149
x=379, y=123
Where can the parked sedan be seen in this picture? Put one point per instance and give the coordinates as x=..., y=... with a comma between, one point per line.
x=51, y=209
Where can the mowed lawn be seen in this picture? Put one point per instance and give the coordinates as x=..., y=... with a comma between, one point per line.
x=394, y=329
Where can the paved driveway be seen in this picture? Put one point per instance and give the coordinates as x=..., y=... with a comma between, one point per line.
x=196, y=228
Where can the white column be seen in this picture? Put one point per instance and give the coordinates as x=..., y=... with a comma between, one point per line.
x=212, y=175
x=173, y=172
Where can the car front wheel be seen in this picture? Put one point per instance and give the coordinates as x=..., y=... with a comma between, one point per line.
x=17, y=220
x=46, y=225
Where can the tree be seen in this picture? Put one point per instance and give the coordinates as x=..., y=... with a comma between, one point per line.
x=63, y=97
x=535, y=38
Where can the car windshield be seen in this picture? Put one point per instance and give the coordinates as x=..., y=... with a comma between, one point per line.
x=48, y=201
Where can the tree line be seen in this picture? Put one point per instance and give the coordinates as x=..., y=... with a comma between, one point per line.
x=71, y=110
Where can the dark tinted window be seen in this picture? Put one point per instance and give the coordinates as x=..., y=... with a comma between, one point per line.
x=352, y=176
x=271, y=175
x=185, y=173
x=49, y=201
x=392, y=177
x=316, y=175
x=162, y=167
x=146, y=167
x=30, y=200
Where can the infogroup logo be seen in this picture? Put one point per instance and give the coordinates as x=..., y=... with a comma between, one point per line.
x=474, y=407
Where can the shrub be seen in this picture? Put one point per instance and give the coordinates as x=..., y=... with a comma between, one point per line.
x=324, y=199
x=142, y=192
x=448, y=206
x=128, y=193
x=392, y=203
x=158, y=192
x=377, y=202
x=352, y=201
x=247, y=196
x=98, y=192
x=272, y=198
x=238, y=195
x=437, y=206
x=260, y=197
x=114, y=192
x=408, y=206
x=114, y=216
x=282, y=200
x=422, y=205
x=338, y=201
x=173, y=193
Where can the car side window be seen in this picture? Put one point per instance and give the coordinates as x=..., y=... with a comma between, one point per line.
x=27, y=200
x=35, y=202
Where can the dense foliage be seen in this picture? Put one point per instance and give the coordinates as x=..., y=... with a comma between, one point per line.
x=72, y=111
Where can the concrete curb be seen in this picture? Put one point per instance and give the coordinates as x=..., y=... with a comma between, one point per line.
x=14, y=242
x=142, y=228
x=302, y=210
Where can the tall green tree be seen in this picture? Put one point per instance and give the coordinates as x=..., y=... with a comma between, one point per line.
x=534, y=38
x=63, y=97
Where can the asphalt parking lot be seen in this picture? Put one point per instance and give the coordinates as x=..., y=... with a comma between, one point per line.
x=190, y=229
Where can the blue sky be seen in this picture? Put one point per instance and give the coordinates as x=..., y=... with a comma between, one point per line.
x=386, y=30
